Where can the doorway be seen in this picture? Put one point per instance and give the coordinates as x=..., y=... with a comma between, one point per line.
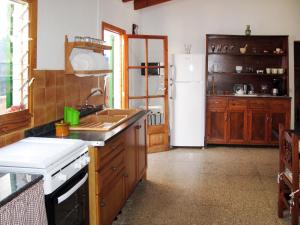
x=113, y=36
x=146, y=84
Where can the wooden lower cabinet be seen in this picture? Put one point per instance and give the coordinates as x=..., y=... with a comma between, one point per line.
x=114, y=172
x=258, y=126
x=241, y=120
x=237, y=129
x=216, y=125
x=112, y=200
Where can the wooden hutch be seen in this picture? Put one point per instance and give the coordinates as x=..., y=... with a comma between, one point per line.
x=250, y=119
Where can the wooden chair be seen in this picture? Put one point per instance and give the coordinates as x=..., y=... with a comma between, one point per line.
x=288, y=177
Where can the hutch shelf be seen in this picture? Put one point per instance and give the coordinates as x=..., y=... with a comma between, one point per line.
x=246, y=61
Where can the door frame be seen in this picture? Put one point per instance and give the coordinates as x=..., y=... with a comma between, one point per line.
x=153, y=132
x=121, y=32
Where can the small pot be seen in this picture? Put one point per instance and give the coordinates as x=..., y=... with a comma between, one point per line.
x=61, y=129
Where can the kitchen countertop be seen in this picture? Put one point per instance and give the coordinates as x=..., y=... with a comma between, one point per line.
x=250, y=96
x=12, y=184
x=98, y=138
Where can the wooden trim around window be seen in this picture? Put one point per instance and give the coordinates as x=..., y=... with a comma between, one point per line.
x=17, y=120
x=121, y=32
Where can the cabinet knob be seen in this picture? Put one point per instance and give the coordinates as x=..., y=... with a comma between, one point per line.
x=114, y=168
x=138, y=126
x=102, y=204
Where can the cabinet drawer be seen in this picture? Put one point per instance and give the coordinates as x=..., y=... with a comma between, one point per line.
x=258, y=104
x=111, y=170
x=216, y=102
x=109, y=151
x=280, y=105
x=237, y=104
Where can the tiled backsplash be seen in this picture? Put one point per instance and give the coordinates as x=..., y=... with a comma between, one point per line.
x=52, y=90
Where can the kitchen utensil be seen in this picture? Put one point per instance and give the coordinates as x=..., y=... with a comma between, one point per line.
x=275, y=91
x=61, y=129
x=268, y=70
x=259, y=71
x=280, y=71
x=238, y=69
x=274, y=70
x=264, y=88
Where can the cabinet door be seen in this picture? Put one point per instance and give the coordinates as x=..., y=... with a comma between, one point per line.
x=141, y=147
x=275, y=119
x=131, y=160
x=112, y=200
x=237, y=127
x=216, y=126
x=258, y=127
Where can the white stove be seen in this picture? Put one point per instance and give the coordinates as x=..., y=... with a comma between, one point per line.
x=55, y=158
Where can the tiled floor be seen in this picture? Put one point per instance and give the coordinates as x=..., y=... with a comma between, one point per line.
x=210, y=186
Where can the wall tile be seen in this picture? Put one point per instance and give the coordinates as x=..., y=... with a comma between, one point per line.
x=40, y=79
x=50, y=79
x=50, y=94
x=39, y=96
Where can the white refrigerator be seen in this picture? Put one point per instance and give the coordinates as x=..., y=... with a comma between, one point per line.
x=187, y=100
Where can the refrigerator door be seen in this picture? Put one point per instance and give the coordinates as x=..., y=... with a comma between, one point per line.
x=189, y=67
x=188, y=114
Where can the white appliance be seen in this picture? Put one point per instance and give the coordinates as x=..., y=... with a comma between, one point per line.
x=56, y=159
x=187, y=100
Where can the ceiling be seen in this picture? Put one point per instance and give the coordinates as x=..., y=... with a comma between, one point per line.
x=140, y=4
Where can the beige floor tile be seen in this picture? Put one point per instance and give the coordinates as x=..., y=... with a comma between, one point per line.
x=216, y=185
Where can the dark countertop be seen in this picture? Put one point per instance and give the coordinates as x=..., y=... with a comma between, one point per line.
x=98, y=138
x=251, y=96
x=12, y=184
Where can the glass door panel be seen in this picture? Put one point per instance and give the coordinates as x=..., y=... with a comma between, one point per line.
x=136, y=58
x=137, y=83
x=157, y=111
x=137, y=103
x=156, y=85
x=156, y=51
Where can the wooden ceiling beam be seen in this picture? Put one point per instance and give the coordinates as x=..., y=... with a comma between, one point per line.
x=140, y=4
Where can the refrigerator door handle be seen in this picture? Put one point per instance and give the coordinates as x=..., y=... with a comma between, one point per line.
x=173, y=73
x=172, y=91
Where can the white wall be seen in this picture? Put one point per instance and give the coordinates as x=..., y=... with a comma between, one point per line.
x=118, y=13
x=187, y=21
x=56, y=18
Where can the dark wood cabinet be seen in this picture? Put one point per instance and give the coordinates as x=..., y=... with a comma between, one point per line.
x=236, y=117
x=223, y=55
x=242, y=120
x=216, y=118
x=216, y=125
x=258, y=126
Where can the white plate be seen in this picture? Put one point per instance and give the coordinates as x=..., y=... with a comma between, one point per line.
x=83, y=61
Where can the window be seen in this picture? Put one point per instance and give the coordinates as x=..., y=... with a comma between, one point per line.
x=17, y=60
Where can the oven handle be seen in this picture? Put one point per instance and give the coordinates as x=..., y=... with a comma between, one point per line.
x=66, y=195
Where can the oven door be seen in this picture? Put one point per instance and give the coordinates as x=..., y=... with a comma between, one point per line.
x=68, y=205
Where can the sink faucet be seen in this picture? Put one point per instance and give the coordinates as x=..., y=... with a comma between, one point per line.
x=86, y=101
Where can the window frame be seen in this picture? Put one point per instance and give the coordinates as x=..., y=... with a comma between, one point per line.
x=21, y=119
